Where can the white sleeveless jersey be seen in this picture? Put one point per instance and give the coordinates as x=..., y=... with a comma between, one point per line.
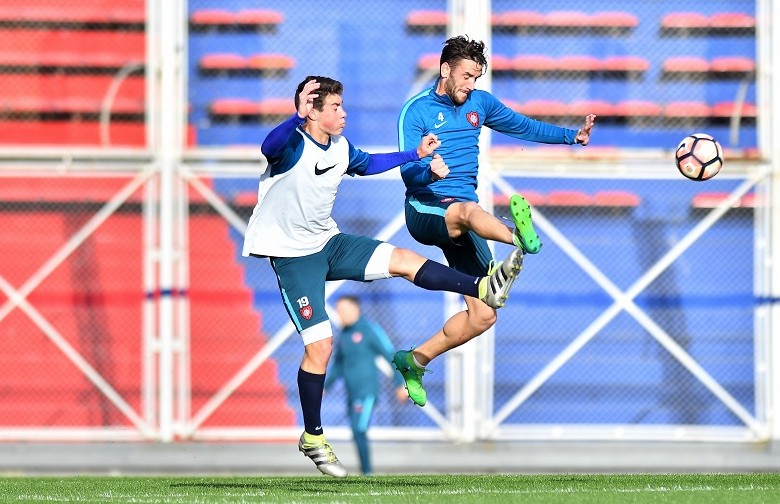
x=292, y=217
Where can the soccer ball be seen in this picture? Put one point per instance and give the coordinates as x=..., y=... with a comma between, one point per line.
x=699, y=156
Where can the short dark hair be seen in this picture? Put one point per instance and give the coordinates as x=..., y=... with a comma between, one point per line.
x=352, y=299
x=328, y=86
x=459, y=48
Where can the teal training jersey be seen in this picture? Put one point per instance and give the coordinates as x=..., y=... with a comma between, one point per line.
x=355, y=351
x=458, y=128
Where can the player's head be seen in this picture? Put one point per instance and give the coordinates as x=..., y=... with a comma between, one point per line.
x=328, y=87
x=348, y=309
x=328, y=108
x=461, y=63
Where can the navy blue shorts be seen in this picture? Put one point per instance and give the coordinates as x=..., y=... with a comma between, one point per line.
x=468, y=254
x=302, y=279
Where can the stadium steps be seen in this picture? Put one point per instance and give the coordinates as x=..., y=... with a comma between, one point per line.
x=125, y=13
x=100, y=315
x=35, y=94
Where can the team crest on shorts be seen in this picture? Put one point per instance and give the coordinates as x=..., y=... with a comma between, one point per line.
x=306, y=312
x=473, y=118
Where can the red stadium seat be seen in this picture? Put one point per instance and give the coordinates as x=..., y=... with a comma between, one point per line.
x=276, y=106
x=579, y=63
x=567, y=19
x=428, y=62
x=584, y=107
x=625, y=64
x=732, y=21
x=686, y=64
x=499, y=63
x=732, y=64
x=72, y=133
x=519, y=19
x=752, y=200
x=258, y=17
x=616, y=199
x=692, y=109
x=637, y=108
x=75, y=11
x=728, y=109
x=33, y=92
x=533, y=198
x=101, y=49
x=234, y=107
x=615, y=19
x=534, y=63
x=223, y=61
x=270, y=62
x=708, y=199
x=543, y=108
x=422, y=19
x=684, y=20
x=212, y=17
x=566, y=198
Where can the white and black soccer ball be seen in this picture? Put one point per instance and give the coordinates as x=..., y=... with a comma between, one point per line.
x=699, y=156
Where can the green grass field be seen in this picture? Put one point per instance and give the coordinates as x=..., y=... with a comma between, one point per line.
x=451, y=489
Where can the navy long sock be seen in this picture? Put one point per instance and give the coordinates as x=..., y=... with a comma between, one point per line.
x=435, y=276
x=310, y=388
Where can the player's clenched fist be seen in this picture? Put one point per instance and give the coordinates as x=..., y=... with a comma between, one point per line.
x=428, y=144
x=439, y=168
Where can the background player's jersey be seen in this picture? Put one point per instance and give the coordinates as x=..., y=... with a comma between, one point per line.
x=295, y=197
x=458, y=128
x=355, y=351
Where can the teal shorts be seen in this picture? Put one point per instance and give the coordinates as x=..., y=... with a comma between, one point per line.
x=468, y=254
x=302, y=279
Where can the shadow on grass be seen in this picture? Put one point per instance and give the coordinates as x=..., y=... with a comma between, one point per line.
x=319, y=484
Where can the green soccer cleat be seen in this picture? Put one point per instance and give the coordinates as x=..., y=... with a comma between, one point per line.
x=494, y=288
x=412, y=374
x=525, y=236
x=320, y=452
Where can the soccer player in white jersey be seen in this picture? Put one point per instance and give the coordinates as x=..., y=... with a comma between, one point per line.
x=292, y=226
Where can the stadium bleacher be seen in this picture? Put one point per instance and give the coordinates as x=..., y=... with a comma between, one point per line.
x=100, y=314
x=231, y=98
x=57, y=63
x=531, y=50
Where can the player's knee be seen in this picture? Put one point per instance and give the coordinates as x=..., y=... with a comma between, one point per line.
x=464, y=211
x=405, y=262
x=319, y=352
x=482, y=318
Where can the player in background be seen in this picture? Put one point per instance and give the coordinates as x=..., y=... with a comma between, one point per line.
x=441, y=201
x=355, y=351
x=292, y=226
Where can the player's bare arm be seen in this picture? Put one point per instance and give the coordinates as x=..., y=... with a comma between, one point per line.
x=583, y=135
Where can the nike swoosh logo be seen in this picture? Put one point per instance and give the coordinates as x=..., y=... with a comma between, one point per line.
x=317, y=171
x=437, y=126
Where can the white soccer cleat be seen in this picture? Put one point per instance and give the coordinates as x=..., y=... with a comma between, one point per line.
x=322, y=455
x=500, y=279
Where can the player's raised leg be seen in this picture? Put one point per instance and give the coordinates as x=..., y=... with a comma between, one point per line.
x=524, y=235
x=496, y=290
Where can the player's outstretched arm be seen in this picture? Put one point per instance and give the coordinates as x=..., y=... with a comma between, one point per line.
x=583, y=135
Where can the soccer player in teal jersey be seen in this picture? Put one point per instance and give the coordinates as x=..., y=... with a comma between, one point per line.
x=441, y=200
x=355, y=352
x=292, y=226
